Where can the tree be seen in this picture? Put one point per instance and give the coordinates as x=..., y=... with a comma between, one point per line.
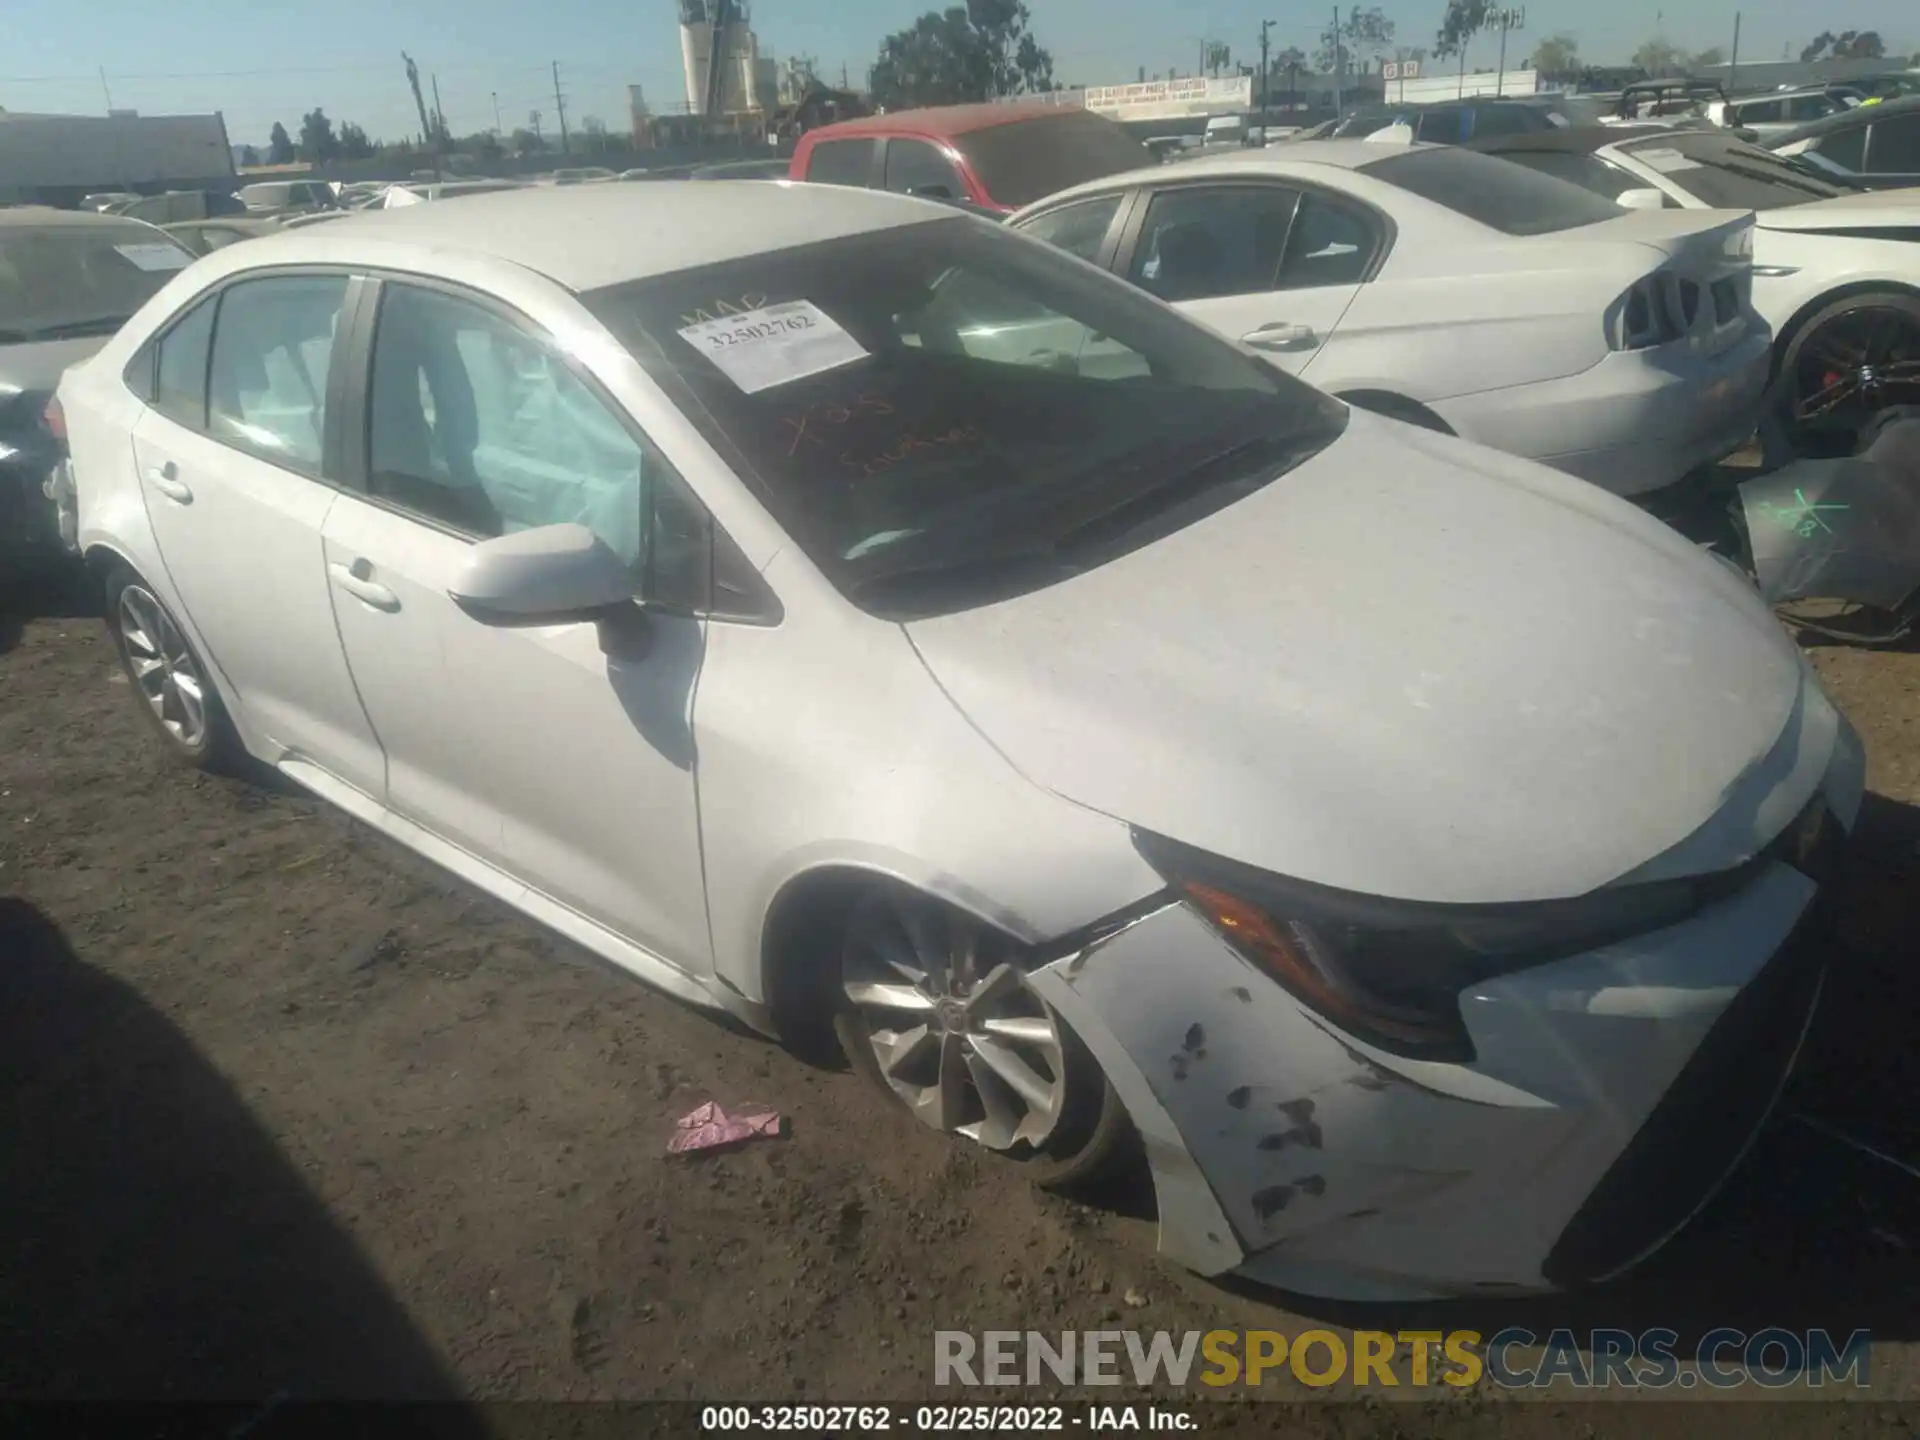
x=1290, y=60
x=1712, y=55
x=978, y=51
x=317, y=142
x=1557, y=55
x=1657, y=56
x=1219, y=56
x=1847, y=45
x=249, y=156
x=525, y=142
x=1364, y=34
x=1463, y=20
x=354, y=144
x=279, y=146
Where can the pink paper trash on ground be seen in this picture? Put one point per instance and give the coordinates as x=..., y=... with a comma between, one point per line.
x=709, y=1127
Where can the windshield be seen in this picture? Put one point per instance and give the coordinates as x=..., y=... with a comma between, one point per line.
x=943, y=414
x=65, y=281
x=1508, y=198
x=1028, y=160
x=1723, y=174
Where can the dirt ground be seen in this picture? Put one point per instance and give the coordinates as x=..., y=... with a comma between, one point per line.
x=289, y=1112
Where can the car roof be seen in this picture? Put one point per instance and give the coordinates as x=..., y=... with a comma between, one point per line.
x=1847, y=120
x=946, y=120
x=45, y=217
x=587, y=236
x=1287, y=158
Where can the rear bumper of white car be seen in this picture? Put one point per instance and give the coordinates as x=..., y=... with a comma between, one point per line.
x=1610, y=1095
x=1637, y=422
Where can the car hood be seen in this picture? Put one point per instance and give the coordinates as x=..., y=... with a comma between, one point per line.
x=1411, y=667
x=1870, y=209
x=38, y=365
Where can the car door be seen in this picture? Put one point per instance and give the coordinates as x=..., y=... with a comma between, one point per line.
x=234, y=468
x=567, y=768
x=1273, y=266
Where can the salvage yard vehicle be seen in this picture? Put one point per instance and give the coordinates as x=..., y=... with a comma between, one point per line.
x=68, y=280
x=1876, y=146
x=203, y=237
x=1836, y=269
x=398, y=197
x=992, y=157
x=1417, y=847
x=1449, y=290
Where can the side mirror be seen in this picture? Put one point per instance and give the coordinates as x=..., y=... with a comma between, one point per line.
x=1646, y=199
x=551, y=575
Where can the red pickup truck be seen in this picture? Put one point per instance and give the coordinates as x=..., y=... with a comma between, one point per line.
x=994, y=158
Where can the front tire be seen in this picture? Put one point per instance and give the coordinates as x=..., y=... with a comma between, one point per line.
x=935, y=1008
x=168, y=679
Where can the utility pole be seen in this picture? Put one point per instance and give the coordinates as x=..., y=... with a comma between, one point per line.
x=1733, y=63
x=560, y=109
x=1265, y=97
x=497, y=126
x=439, y=115
x=1336, y=62
x=428, y=133
x=1509, y=18
x=104, y=90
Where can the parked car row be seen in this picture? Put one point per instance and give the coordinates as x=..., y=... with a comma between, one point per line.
x=1418, y=847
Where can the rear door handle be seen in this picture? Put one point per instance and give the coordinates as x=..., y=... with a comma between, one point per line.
x=1281, y=335
x=166, y=479
x=361, y=588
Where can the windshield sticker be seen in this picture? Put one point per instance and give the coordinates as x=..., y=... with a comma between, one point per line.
x=774, y=345
x=156, y=255
x=1666, y=161
x=720, y=308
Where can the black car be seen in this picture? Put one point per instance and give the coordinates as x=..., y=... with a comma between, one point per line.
x=1876, y=145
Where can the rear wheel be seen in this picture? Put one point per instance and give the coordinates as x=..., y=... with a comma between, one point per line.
x=936, y=1008
x=167, y=678
x=1851, y=361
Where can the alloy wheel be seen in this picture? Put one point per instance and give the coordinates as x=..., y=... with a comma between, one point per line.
x=1856, y=364
x=163, y=667
x=955, y=1029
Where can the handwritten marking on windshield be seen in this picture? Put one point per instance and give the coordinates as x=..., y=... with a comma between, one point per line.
x=1803, y=517
x=910, y=444
x=800, y=426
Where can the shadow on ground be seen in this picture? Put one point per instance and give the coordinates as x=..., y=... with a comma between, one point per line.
x=1810, y=1231
x=158, y=1245
x=59, y=594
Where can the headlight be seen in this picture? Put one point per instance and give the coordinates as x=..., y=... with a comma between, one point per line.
x=1391, y=971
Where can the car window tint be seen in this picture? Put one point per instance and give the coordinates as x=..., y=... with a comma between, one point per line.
x=1216, y=240
x=914, y=165
x=1760, y=112
x=1589, y=172
x=1329, y=244
x=1440, y=127
x=1725, y=174
x=478, y=424
x=1023, y=161
x=180, y=378
x=1803, y=108
x=1078, y=229
x=272, y=343
x=1486, y=189
x=1895, y=146
x=83, y=279
x=841, y=162
x=1845, y=148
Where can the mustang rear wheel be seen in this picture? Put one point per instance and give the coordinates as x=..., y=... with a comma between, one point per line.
x=1852, y=360
x=936, y=1008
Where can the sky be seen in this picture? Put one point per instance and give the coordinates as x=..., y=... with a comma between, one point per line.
x=258, y=63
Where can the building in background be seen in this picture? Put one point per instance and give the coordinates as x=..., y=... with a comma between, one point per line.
x=57, y=159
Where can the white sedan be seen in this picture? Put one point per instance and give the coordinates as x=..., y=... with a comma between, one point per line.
x=1836, y=270
x=1445, y=289
x=1416, y=846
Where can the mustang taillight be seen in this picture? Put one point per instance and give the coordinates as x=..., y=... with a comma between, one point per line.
x=1656, y=309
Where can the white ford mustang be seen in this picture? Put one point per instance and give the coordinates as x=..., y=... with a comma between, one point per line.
x=1440, y=287
x=1836, y=270
x=1415, y=845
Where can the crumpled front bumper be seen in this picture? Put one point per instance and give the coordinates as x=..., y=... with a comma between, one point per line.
x=1297, y=1156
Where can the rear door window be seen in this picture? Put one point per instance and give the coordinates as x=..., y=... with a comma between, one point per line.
x=842, y=162
x=180, y=380
x=1895, y=147
x=272, y=348
x=913, y=167
x=1200, y=242
x=1329, y=244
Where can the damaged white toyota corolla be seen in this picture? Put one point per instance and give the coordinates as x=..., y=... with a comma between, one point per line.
x=848, y=614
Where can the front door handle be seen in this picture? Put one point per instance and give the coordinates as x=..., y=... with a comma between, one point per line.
x=166, y=479
x=1281, y=335
x=353, y=579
